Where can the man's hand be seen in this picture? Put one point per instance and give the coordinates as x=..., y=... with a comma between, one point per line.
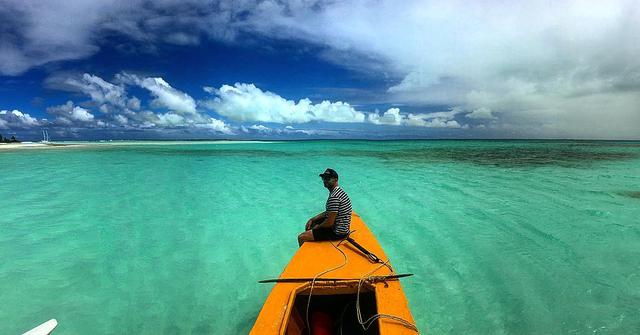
x=308, y=226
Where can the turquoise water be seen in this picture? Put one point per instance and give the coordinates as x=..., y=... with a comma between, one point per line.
x=504, y=237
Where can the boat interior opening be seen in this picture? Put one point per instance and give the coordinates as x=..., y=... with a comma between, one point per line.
x=332, y=311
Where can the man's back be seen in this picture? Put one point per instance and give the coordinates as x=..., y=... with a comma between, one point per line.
x=339, y=202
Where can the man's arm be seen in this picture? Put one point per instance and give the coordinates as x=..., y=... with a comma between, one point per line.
x=314, y=219
x=320, y=215
x=333, y=205
x=328, y=223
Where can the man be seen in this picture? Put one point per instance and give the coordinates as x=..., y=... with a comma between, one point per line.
x=334, y=222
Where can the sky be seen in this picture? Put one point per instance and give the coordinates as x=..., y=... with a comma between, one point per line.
x=168, y=69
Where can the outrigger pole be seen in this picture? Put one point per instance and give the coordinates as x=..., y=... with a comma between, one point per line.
x=298, y=280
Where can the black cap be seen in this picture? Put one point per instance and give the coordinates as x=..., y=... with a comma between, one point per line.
x=329, y=173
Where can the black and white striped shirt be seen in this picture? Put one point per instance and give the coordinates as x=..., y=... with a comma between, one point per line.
x=339, y=201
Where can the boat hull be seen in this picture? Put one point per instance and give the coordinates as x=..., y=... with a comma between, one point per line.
x=279, y=312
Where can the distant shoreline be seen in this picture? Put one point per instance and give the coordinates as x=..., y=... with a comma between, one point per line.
x=354, y=139
x=75, y=144
x=109, y=143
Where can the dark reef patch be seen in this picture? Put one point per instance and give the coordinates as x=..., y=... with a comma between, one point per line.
x=500, y=154
x=609, y=144
x=508, y=157
x=631, y=194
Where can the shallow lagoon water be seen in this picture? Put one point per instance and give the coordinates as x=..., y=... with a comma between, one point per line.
x=504, y=237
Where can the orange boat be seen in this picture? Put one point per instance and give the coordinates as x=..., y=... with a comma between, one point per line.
x=352, y=285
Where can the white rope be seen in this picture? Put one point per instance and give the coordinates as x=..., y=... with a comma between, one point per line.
x=344, y=262
x=366, y=324
x=366, y=277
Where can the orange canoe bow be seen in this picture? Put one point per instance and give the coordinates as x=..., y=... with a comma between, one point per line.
x=335, y=298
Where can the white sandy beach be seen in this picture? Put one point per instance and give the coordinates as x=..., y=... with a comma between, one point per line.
x=35, y=145
x=58, y=145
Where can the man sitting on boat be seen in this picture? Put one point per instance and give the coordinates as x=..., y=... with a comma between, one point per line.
x=334, y=222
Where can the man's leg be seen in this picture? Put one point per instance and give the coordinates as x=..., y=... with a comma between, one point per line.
x=306, y=236
x=317, y=234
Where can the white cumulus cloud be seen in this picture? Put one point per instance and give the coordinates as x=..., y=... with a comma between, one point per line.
x=170, y=120
x=98, y=89
x=69, y=114
x=287, y=130
x=260, y=128
x=17, y=119
x=133, y=103
x=430, y=120
x=421, y=120
x=121, y=119
x=123, y=110
x=246, y=102
x=481, y=113
x=217, y=126
x=390, y=117
x=165, y=95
